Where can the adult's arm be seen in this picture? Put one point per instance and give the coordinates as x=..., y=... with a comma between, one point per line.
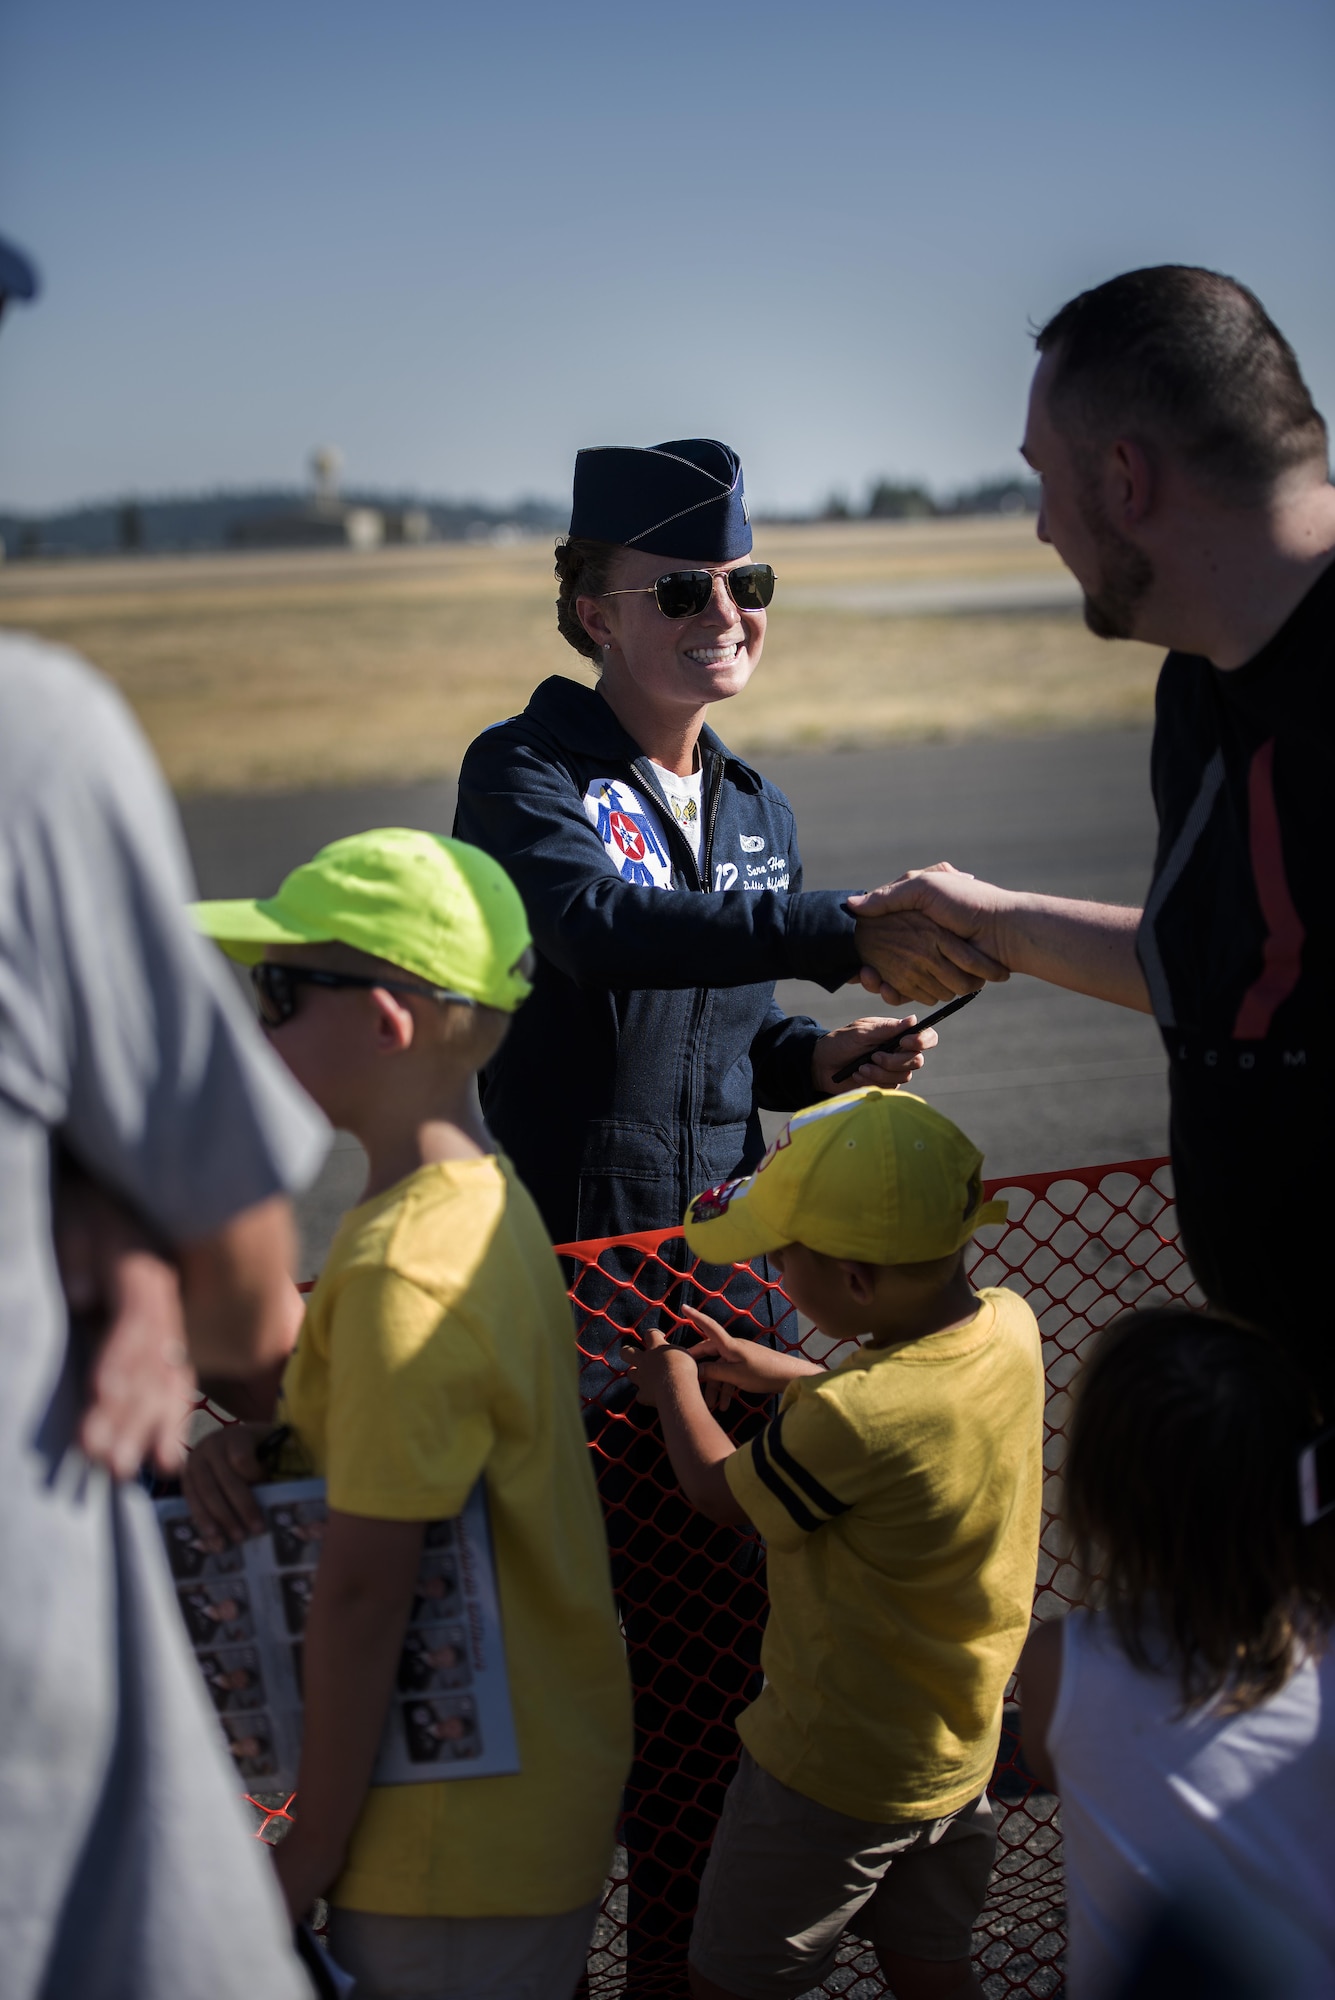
x=147, y=1320
x=1086, y=947
x=781, y=1059
x=520, y=805
x=124, y=1300
x=122, y=1030
x=242, y=1310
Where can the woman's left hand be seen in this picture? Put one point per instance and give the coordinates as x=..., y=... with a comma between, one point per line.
x=841, y=1045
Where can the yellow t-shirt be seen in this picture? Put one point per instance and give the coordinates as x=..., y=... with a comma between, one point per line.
x=899, y=1497
x=438, y=1347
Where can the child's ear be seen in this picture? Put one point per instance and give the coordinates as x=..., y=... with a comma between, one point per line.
x=860, y=1280
x=394, y=1023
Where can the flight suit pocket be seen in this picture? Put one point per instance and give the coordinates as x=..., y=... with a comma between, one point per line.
x=627, y=1178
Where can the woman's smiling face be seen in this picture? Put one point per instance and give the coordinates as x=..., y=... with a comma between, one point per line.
x=674, y=664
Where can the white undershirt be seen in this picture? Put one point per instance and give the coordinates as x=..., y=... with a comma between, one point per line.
x=686, y=798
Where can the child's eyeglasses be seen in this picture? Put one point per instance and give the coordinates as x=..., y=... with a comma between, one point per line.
x=684, y=593
x=276, y=988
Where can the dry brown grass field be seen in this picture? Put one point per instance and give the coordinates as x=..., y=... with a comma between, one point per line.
x=274, y=671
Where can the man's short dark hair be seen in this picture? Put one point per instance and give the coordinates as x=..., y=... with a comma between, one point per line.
x=1190, y=361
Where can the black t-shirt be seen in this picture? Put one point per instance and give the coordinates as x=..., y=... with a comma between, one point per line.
x=1236, y=946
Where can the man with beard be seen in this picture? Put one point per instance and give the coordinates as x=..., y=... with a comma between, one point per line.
x=1186, y=486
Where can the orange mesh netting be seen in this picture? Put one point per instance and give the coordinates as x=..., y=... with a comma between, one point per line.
x=1082, y=1245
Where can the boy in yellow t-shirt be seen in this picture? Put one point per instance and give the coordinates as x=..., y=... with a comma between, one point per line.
x=898, y=1493
x=437, y=1349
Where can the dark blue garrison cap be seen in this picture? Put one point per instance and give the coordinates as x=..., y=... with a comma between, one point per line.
x=18, y=280
x=683, y=499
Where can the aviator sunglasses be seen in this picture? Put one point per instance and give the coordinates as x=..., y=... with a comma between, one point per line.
x=684, y=593
x=276, y=988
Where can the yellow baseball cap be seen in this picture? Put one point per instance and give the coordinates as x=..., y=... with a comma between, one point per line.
x=436, y=907
x=875, y=1175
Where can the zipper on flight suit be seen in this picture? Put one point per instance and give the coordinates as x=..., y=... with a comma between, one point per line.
x=712, y=790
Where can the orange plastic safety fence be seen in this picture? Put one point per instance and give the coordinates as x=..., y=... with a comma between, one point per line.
x=1082, y=1245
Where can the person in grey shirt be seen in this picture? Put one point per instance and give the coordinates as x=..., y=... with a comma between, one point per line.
x=126, y=1867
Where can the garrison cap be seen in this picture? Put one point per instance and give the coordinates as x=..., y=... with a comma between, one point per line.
x=18, y=279
x=683, y=499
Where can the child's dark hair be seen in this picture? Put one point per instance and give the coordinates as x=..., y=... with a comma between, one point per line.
x=583, y=569
x=1182, y=1500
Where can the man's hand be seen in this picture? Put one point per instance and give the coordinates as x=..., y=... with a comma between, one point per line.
x=218, y=1476
x=926, y=936
x=889, y=1070
x=124, y=1298
x=977, y=927
x=727, y=1365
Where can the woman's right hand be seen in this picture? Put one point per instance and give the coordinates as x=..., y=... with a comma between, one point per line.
x=727, y=1365
x=219, y=1473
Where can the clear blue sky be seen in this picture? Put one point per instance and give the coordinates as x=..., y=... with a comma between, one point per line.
x=460, y=242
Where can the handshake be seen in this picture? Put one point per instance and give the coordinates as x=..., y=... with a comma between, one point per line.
x=932, y=934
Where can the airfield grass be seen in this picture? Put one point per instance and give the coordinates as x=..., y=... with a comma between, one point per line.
x=266, y=672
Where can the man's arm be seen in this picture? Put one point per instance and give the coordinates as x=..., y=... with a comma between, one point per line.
x=1086, y=947
x=667, y=1380
x=226, y=1303
x=242, y=1309
x=354, y=1635
x=124, y=1301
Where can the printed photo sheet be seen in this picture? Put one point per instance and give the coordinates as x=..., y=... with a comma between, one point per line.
x=245, y=1610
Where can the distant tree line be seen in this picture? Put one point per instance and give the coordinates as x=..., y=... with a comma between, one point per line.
x=910, y=500
x=181, y=524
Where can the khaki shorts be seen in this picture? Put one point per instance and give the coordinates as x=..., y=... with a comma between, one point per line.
x=462, y=1958
x=787, y=1877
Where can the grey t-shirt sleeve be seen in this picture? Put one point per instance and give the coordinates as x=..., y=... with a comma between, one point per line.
x=118, y=1022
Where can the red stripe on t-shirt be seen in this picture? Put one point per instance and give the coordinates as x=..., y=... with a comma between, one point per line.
x=1281, y=960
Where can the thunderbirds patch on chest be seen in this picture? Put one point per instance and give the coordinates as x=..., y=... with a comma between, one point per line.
x=633, y=841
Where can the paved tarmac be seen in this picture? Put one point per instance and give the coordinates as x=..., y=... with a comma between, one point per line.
x=1039, y=1078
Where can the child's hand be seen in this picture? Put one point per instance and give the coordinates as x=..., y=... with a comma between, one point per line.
x=216, y=1482
x=649, y=1364
x=727, y=1364
x=303, y=1874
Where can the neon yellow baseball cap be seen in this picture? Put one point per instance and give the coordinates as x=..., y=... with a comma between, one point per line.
x=875, y=1175
x=436, y=907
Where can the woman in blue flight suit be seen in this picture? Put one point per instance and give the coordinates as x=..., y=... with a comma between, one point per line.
x=663, y=886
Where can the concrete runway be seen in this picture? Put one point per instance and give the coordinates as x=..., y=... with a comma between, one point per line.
x=1039, y=1078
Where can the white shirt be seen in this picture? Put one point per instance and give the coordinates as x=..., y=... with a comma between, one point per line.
x=685, y=796
x=1234, y=1813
